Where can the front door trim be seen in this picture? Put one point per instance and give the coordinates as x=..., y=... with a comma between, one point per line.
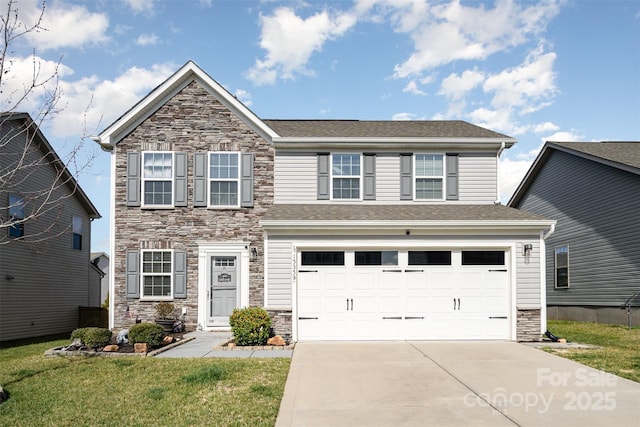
x=208, y=250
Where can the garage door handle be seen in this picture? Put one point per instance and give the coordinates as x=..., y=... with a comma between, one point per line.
x=454, y=304
x=393, y=318
x=348, y=304
x=414, y=271
x=392, y=271
x=503, y=270
x=498, y=317
x=307, y=318
x=414, y=317
x=307, y=271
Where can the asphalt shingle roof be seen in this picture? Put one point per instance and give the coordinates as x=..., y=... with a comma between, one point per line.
x=380, y=129
x=625, y=153
x=408, y=212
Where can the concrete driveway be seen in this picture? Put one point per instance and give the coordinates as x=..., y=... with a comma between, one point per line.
x=421, y=383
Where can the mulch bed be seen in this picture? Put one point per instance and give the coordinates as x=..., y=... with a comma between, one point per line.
x=123, y=349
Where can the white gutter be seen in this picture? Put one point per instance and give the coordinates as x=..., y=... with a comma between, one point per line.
x=552, y=229
x=403, y=225
x=502, y=147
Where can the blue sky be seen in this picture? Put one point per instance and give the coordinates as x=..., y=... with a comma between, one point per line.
x=535, y=70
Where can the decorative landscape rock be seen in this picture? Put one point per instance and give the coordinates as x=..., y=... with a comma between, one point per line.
x=112, y=347
x=277, y=340
x=123, y=336
x=168, y=340
x=141, y=347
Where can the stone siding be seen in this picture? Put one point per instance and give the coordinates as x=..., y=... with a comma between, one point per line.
x=528, y=325
x=281, y=323
x=192, y=121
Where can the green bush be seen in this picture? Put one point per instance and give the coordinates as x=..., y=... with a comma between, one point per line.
x=149, y=333
x=250, y=326
x=92, y=337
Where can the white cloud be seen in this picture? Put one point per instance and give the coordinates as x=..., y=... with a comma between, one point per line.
x=88, y=28
x=412, y=87
x=528, y=86
x=147, y=40
x=403, y=116
x=565, y=136
x=511, y=174
x=140, y=6
x=290, y=40
x=244, y=97
x=545, y=127
x=457, y=86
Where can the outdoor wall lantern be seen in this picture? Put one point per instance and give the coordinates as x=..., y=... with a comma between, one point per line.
x=528, y=247
x=254, y=254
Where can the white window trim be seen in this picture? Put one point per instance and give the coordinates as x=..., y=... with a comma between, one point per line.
x=144, y=297
x=555, y=268
x=442, y=177
x=237, y=179
x=143, y=180
x=331, y=177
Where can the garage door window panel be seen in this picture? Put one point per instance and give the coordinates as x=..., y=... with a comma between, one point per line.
x=482, y=257
x=323, y=258
x=376, y=258
x=429, y=257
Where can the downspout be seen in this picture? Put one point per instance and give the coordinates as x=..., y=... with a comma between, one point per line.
x=543, y=277
x=502, y=147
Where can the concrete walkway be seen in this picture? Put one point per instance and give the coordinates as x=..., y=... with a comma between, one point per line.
x=449, y=384
x=205, y=345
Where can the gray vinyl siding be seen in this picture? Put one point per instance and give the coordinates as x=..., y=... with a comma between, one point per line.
x=478, y=178
x=528, y=275
x=279, y=277
x=296, y=178
x=598, y=212
x=51, y=280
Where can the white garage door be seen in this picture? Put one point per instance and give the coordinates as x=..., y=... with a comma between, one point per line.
x=382, y=295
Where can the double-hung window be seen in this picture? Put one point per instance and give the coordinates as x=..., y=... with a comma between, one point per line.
x=429, y=177
x=345, y=176
x=224, y=175
x=157, y=273
x=157, y=178
x=16, y=216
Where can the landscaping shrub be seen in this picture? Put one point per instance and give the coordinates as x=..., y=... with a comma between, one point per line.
x=92, y=337
x=250, y=326
x=149, y=333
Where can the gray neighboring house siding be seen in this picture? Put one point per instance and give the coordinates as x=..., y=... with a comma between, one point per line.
x=43, y=280
x=597, y=208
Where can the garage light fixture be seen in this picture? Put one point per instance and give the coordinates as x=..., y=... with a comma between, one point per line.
x=254, y=254
x=528, y=247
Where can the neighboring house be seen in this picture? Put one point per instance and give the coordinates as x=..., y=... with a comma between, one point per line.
x=342, y=230
x=101, y=261
x=45, y=274
x=592, y=189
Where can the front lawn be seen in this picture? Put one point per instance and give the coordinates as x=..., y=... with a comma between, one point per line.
x=137, y=391
x=620, y=352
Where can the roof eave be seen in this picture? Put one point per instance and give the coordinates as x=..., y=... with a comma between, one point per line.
x=389, y=142
x=469, y=225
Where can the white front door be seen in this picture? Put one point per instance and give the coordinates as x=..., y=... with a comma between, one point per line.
x=223, y=289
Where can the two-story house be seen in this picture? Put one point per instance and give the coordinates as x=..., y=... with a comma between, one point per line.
x=342, y=230
x=45, y=274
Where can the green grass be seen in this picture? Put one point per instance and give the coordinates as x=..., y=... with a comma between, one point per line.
x=137, y=391
x=620, y=347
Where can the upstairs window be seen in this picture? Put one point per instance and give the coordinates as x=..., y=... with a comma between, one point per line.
x=345, y=173
x=16, y=216
x=429, y=177
x=157, y=178
x=562, y=267
x=224, y=179
x=76, y=226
